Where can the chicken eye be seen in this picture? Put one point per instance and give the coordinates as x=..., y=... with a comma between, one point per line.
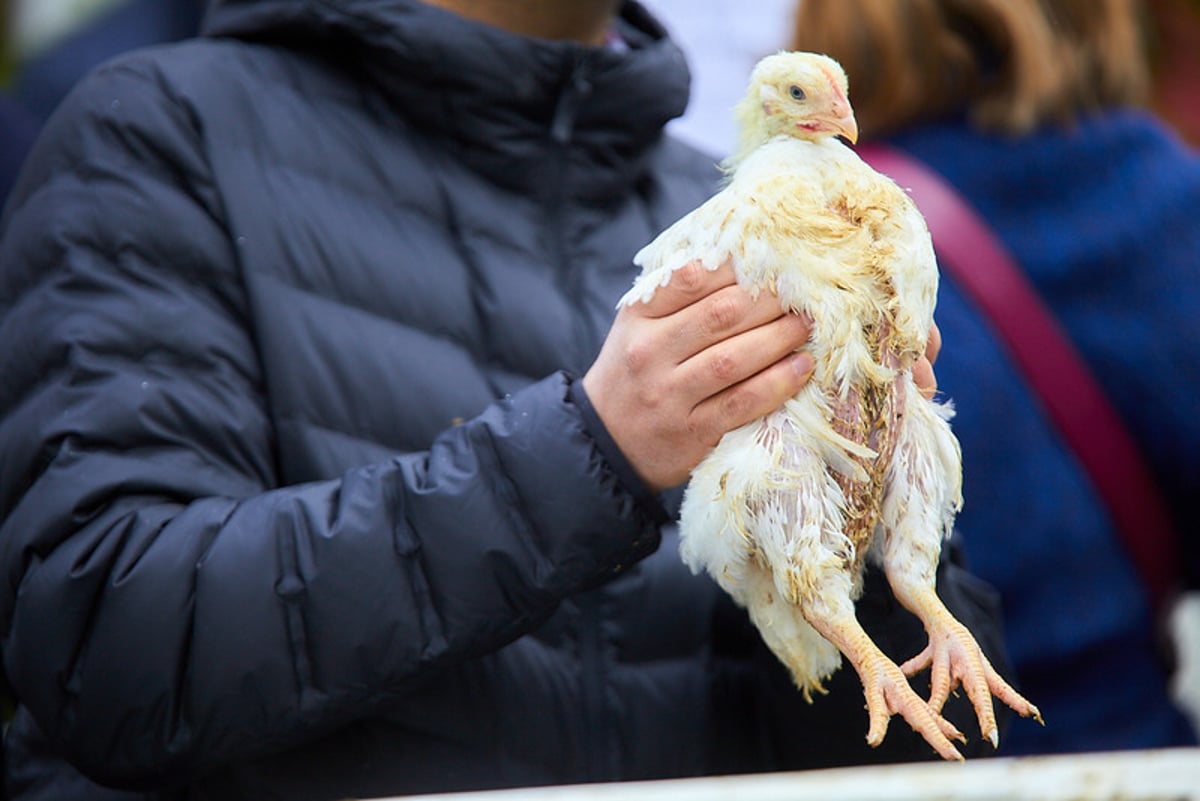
x=796, y=92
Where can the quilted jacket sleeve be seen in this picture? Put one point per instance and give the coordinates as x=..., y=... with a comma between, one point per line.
x=165, y=605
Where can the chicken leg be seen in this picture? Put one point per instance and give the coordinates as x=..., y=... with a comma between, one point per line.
x=913, y=527
x=884, y=684
x=955, y=658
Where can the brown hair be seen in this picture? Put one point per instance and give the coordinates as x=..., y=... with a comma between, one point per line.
x=1010, y=65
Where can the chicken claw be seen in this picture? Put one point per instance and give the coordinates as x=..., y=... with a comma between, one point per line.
x=955, y=659
x=887, y=690
x=888, y=693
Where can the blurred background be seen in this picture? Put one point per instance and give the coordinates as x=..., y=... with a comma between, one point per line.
x=725, y=38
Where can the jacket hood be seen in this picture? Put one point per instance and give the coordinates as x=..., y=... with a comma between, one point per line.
x=507, y=103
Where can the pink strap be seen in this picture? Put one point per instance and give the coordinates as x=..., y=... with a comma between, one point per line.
x=969, y=250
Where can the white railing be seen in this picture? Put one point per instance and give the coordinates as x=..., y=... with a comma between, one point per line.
x=1163, y=775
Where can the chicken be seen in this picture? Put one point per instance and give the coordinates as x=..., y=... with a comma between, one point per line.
x=858, y=466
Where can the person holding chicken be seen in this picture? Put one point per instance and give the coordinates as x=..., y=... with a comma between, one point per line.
x=301, y=492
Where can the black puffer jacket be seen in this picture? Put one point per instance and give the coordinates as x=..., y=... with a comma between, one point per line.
x=296, y=499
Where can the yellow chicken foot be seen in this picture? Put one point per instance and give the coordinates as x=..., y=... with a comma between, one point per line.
x=955, y=658
x=887, y=689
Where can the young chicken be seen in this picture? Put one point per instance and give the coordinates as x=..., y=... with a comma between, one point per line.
x=859, y=465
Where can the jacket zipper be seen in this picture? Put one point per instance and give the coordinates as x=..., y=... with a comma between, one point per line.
x=598, y=761
x=562, y=130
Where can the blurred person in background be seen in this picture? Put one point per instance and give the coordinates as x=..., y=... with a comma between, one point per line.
x=1174, y=35
x=1032, y=110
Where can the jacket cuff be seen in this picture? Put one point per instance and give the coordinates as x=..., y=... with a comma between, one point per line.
x=628, y=478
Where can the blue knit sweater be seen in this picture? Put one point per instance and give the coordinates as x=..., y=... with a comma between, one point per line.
x=1104, y=218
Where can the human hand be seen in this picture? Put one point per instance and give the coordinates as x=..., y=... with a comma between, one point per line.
x=699, y=359
x=923, y=369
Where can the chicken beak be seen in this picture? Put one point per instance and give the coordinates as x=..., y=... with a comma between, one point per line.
x=848, y=127
x=842, y=118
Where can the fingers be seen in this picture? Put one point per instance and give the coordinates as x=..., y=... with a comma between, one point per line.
x=725, y=364
x=688, y=284
x=923, y=373
x=934, y=345
x=701, y=308
x=722, y=314
x=737, y=352
x=925, y=379
x=700, y=358
x=750, y=399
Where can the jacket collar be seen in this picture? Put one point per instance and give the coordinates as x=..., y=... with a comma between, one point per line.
x=527, y=113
